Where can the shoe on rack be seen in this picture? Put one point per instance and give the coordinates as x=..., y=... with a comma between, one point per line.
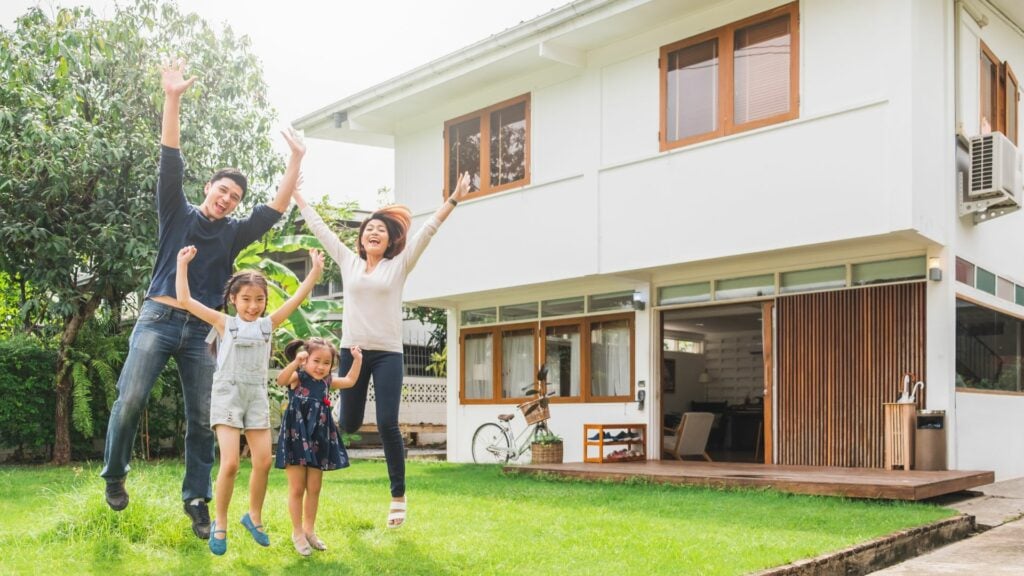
x=621, y=436
x=256, y=530
x=116, y=495
x=199, y=513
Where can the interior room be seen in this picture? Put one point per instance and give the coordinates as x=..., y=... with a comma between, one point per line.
x=712, y=361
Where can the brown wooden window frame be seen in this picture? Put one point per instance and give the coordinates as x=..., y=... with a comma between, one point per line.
x=1001, y=102
x=485, y=148
x=724, y=118
x=540, y=352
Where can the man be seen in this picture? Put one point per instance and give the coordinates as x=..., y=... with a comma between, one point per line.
x=164, y=329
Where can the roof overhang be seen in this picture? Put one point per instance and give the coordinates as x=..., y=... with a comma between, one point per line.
x=559, y=39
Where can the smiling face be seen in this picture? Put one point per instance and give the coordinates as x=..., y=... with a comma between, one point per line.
x=374, y=239
x=222, y=197
x=250, y=302
x=319, y=363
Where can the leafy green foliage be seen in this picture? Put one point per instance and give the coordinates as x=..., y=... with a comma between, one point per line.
x=80, y=102
x=26, y=386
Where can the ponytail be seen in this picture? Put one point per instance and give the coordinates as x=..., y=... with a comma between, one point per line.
x=292, y=349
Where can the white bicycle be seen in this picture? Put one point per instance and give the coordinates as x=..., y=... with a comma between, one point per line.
x=495, y=442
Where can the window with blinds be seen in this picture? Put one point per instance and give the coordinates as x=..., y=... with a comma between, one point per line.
x=734, y=78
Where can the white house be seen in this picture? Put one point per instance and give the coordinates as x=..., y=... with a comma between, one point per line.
x=765, y=209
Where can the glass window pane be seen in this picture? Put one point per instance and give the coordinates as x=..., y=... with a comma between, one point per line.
x=817, y=279
x=1004, y=289
x=964, y=272
x=1020, y=295
x=479, y=366
x=761, y=70
x=988, y=349
x=989, y=82
x=692, y=90
x=746, y=287
x=527, y=311
x=610, y=358
x=479, y=316
x=888, y=271
x=562, y=358
x=684, y=293
x=464, y=153
x=612, y=301
x=561, y=306
x=508, y=144
x=517, y=362
x=985, y=281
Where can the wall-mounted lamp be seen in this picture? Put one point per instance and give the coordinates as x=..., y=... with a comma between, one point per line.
x=934, y=269
x=639, y=300
x=704, y=377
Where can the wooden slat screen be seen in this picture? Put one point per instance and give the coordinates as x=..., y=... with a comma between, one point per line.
x=840, y=356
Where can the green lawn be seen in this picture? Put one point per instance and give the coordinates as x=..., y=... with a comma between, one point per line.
x=463, y=519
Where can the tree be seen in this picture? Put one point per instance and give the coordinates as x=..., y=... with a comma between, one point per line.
x=80, y=105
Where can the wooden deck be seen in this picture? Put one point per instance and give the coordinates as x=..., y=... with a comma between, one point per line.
x=847, y=482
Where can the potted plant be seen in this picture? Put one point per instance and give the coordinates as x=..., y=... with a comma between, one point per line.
x=546, y=447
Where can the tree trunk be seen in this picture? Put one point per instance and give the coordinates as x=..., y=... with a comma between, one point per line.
x=62, y=416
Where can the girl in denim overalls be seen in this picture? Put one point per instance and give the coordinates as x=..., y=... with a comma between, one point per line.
x=239, y=401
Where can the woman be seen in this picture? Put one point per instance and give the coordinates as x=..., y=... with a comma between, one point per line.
x=372, y=283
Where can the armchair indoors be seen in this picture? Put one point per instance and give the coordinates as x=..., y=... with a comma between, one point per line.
x=690, y=438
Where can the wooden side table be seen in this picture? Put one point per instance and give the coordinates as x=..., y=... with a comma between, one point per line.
x=900, y=422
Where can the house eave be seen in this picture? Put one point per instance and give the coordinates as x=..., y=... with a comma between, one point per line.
x=559, y=38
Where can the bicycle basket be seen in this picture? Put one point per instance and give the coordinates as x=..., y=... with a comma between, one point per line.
x=535, y=410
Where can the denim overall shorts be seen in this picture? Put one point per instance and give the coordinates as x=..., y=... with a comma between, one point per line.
x=239, y=398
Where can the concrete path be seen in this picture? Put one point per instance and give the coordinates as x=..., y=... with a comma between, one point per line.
x=997, y=551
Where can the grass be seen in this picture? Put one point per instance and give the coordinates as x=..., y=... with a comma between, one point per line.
x=463, y=519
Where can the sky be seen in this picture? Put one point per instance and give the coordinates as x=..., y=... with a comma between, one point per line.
x=316, y=52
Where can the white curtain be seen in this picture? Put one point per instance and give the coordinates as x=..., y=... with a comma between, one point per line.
x=609, y=358
x=479, y=360
x=516, y=363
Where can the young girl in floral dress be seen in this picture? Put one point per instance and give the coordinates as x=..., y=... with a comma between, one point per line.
x=309, y=442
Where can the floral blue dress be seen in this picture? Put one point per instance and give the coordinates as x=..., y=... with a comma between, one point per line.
x=309, y=436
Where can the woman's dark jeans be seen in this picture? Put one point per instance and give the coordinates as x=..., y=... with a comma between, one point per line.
x=387, y=369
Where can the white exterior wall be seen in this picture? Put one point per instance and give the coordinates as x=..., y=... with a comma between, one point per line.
x=871, y=154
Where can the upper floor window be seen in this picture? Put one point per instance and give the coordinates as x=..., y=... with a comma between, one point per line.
x=735, y=78
x=492, y=144
x=999, y=95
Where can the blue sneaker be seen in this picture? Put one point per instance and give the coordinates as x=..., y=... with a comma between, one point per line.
x=256, y=530
x=218, y=545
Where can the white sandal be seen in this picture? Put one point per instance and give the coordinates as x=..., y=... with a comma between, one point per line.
x=301, y=545
x=398, y=510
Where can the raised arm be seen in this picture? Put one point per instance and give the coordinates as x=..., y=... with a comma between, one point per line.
x=184, y=295
x=304, y=290
x=291, y=174
x=461, y=189
x=288, y=376
x=328, y=239
x=349, y=380
x=174, y=83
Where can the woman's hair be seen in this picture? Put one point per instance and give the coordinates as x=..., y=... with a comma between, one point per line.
x=396, y=218
x=241, y=279
x=310, y=345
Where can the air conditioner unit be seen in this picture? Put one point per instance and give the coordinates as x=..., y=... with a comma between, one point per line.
x=993, y=186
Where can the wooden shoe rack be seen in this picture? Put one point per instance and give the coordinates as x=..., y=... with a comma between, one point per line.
x=608, y=449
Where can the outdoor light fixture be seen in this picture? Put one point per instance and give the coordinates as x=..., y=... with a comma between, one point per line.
x=639, y=300
x=934, y=269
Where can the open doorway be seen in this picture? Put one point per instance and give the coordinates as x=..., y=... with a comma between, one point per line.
x=712, y=360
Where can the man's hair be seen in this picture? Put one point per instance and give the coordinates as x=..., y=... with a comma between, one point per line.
x=233, y=174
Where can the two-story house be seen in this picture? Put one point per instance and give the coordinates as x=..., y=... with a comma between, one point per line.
x=770, y=210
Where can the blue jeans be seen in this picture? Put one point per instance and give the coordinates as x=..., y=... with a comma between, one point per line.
x=162, y=332
x=387, y=370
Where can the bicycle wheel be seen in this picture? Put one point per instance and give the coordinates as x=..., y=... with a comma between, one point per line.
x=490, y=445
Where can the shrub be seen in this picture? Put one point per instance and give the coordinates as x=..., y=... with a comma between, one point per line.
x=26, y=386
